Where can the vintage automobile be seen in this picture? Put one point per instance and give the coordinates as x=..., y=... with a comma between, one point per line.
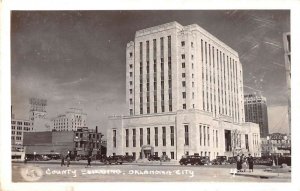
x=205, y=160
x=153, y=158
x=116, y=159
x=164, y=158
x=220, y=160
x=128, y=158
x=191, y=159
x=231, y=160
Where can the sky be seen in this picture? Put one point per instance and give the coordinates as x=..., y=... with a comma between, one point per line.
x=77, y=58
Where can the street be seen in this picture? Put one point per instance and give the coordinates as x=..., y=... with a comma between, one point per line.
x=45, y=172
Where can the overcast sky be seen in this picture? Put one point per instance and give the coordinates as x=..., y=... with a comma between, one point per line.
x=77, y=58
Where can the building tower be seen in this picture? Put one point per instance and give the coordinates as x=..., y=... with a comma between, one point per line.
x=256, y=111
x=184, y=91
x=38, y=115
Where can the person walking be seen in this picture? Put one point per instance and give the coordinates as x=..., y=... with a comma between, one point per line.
x=89, y=159
x=62, y=160
x=250, y=163
x=238, y=162
x=68, y=160
x=244, y=163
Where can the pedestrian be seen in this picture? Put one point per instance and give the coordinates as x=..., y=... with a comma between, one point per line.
x=238, y=163
x=250, y=162
x=68, y=160
x=89, y=159
x=244, y=163
x=62, y=160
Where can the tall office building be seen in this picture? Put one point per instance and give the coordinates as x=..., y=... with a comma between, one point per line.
x=70, y=121
x=256, y=112
x=38, y=115
x=184, y=91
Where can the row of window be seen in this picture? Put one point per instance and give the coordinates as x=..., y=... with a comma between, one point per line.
x=148, y=137
x=225, y=69
x=16, y=138
x=20, y=128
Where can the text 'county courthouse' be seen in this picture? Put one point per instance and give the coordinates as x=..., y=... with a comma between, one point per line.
x=184, y=90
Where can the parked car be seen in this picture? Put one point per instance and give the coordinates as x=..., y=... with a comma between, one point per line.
x=80, y=157
x=231, y=160
x=220, y=160
x=116, y=159
x=128, y=158
x=263, y=161
x=205, y=160
x=191, y=159
x=165, y=158
x=153, y=158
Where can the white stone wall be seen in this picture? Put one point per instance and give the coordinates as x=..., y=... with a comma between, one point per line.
x=192, y=118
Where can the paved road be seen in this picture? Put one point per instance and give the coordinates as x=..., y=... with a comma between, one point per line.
x=133, y=173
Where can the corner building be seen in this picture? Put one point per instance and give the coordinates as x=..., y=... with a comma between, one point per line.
x=184, y=91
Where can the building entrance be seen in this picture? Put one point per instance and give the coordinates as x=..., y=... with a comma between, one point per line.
x=146, y=151
x=227, y=140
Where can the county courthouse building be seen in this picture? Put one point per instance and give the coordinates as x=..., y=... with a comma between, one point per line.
x=184, y=91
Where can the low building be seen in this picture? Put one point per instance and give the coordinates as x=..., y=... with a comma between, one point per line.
x=18, y=127
x=84, y=141
x=276, y=144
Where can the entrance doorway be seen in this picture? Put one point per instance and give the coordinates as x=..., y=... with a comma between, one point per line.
x=146, y=151
x=227, y=140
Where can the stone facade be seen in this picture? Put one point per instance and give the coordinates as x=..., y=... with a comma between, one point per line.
x=184, y=91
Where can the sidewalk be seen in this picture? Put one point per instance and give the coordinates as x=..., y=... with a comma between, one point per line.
x=263, y=174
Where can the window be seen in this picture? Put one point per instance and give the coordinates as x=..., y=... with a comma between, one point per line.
x=130, y=83
x=183, y=95
x=141, y=137
x=182, y=43
x=192, y=44
x=127, y=137
x=164, y=136
x=130, y=101
x=208, y=136
x=130, y=91
x=156, y=136
x=192, y=57
x=133, y=137
x=183, y=64
x=114, y=138
x=172, y=135
x=183, y=56
x=162, y=48
x=186, y=135
x=183, y=75
x=130, y=54
x=131, y=111
x=172, y=155
x=204, y=135
x=148, y=136
x=200, y=132
x=217, y=141
x=184, y=106
x=183, y=83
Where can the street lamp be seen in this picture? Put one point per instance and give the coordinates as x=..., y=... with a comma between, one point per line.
x=34, y=153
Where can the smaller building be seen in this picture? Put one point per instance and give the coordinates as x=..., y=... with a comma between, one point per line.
x=276, y=144
x=84, y=141
x=70, y=121
x=18, y=127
